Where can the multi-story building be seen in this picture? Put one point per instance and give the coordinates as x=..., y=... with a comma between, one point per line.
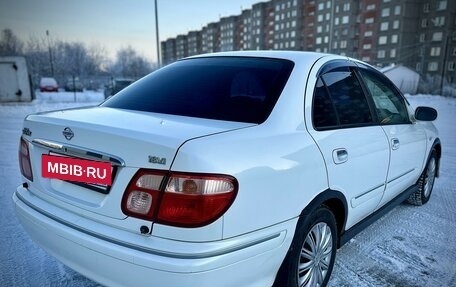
x=323, y=25
x=368, y=27
x=396, y=35
x=419, y=34
x=344, y=29
x=168, y=50
x=287, y=24
x=228, y=29
x=181, y=46
x=308, y=28
x=436, y=38
x=210, y=38
x=194, y=43
x=245, y=30
x=262, y=28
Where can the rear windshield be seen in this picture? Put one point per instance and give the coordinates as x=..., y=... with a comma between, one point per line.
x=240, y=89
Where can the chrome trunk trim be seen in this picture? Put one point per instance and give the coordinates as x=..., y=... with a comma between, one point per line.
x=75, y=151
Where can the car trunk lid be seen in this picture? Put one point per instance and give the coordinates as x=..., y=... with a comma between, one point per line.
x=128, y=140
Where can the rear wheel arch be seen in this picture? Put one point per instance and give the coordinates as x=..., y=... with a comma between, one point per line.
x=328, y=211
x=335, y=201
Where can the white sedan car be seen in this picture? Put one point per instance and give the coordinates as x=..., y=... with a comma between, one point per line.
x=227, y=169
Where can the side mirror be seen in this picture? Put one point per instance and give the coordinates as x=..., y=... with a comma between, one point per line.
x=425, y=114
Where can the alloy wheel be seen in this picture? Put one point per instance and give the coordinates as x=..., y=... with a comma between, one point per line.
x=315, y=256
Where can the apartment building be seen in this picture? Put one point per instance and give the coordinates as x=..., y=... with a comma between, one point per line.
x=210, y=38
x=344, y=30
x=419, y=34
x=168, y=51
x=228, y=33
x=287, y=24
x=181, y=46
x=436, y=38
x=397, y=32
x=245, y=30
x=262, y=26
x=194, y=43
x=308, y=32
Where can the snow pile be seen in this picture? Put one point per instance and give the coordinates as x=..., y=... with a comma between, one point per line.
x=65, y=97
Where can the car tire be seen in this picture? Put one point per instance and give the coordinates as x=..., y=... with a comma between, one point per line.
x=425, y=182
x=310, y=259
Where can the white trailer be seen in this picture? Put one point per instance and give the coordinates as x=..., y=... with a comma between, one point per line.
x=14, y=80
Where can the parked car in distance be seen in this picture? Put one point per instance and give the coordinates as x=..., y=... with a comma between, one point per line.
x=48, y=84
x=229, y=169
x=73, y=85
x=116, y=86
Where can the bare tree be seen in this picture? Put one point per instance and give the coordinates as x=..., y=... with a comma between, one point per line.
x=10, y=44
x=70, y=59
x=73, y=58
x=37, y=55
x=97, y=60
x=130, y=64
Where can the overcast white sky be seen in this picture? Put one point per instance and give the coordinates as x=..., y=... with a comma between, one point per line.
x=114, y=23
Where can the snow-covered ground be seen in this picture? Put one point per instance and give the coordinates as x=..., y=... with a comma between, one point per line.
x=410, y=246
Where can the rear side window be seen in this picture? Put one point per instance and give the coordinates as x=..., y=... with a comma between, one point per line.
x=339, y=101
x=324, y=113
x=241, y=89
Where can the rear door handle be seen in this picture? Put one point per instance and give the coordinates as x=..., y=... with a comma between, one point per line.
x=340, y=155
x=395, y=144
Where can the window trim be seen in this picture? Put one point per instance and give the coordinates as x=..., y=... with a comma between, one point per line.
x=356, y=67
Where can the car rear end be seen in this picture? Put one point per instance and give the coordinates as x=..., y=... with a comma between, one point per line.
x=100, y=192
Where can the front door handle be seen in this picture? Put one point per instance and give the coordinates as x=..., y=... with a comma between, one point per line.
x=395, y=144
x=340, y=155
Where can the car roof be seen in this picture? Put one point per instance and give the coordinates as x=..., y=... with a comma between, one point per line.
x=48, y=80
x=295, y=56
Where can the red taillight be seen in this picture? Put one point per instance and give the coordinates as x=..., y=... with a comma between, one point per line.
x=24, y=160
x=142, y=196
x=179, y=199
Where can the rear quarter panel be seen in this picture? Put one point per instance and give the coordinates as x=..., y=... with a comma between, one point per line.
x=278, y=174
x=277, y=164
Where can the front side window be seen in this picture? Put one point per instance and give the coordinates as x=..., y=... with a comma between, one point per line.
x=241, y=89
x=389, y=104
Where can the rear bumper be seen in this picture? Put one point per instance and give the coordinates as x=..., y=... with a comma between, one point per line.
x=115, y=257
